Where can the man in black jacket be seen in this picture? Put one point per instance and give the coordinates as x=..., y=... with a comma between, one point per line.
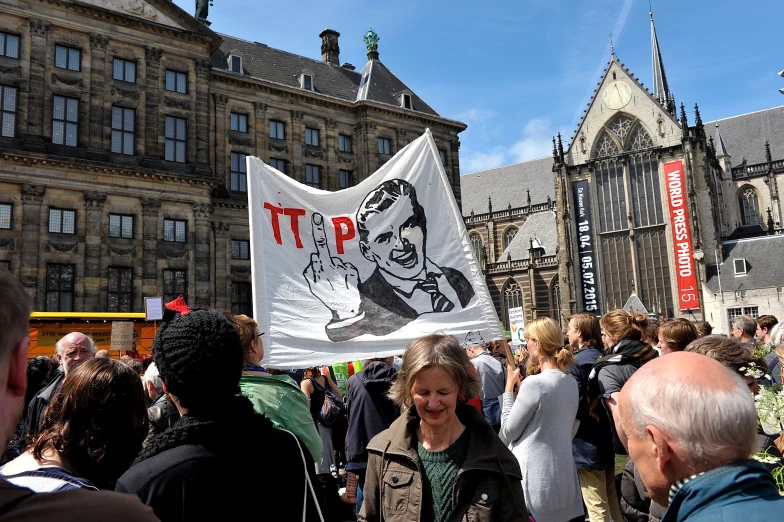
x=370, y=412
x=72, y=350
x=220, y=457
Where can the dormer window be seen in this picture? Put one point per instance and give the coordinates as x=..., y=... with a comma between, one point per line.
x=235, y=64
x=306, y=81
x=405, y=101
x=740, y=266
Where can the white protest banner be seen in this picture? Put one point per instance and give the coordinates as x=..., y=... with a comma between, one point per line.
x=516, y=326
x=360, y=273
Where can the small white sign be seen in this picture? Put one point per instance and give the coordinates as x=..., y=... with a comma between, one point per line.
x=516, y=326
x=153, y=308
x=122, y=335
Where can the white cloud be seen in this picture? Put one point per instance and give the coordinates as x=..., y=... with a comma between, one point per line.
x=476, y=115
x=476, y=161
x=535, y=142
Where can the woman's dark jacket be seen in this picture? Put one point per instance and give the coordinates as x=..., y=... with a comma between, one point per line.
x=592, y=446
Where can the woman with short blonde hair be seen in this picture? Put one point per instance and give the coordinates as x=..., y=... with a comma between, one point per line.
x=538, y=425
x=413, y=466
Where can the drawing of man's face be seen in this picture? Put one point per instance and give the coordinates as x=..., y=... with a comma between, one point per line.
x=395, y=237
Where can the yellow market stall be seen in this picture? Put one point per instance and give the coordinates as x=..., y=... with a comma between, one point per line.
x=46, y=328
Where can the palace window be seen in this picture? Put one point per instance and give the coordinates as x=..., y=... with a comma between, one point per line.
x=239, y=176
x=277, y=130
x=123, y=130
x=59, y=287
x=176, y=82
x=749, y=206
x=62, y=221
x=8, y=111
x=175, y=284
x=239, y=122
x=174, y=230
x=384, y=146
x=311, y=137
x=240, y=249
x=241, y=299
x=278, y=164
x=9, y=45
x=313, y=176
x=124, y=70
x=5, y=215
x=442, y=155
x=120, y=226
x=67, y=58
x=176, y=136
x=65, y=121
x=346, y=179
x=344, y=143
x=235, y=63
x=120, y=289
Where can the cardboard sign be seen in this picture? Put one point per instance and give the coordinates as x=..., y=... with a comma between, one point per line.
x=516, y=326
x=122, y=335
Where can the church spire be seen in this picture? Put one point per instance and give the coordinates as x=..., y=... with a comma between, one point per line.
x=661, y=91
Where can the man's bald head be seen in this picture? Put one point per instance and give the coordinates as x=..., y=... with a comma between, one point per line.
x=74, y=349
x=695, y=412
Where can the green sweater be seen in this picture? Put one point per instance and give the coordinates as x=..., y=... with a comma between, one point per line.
x=440, y=471
x=278, y=398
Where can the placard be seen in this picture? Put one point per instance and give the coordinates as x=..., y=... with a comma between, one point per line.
x=153, y=308
x=516, y=326
x=122, y=335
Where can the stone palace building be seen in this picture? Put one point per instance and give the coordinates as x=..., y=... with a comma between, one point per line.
x=125, y=127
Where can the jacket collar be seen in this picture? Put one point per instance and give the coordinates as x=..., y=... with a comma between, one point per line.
x=720, y=486
x=485, y=449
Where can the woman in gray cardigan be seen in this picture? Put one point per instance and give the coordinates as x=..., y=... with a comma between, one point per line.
x=538, y=426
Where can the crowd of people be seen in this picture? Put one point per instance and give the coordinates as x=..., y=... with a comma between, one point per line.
x=617, y=418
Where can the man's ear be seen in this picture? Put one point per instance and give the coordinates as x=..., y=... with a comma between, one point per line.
x=164, y=387
x=661, y=447
x=17, y=368
x=366, y=252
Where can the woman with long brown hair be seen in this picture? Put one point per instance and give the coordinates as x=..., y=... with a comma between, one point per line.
x=92, y=431
x=538, y=425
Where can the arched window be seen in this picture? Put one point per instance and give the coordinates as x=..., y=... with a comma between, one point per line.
x=749, y=206
x=476, y=244
x=512, y=297
x=555, y=300
x=509, y=234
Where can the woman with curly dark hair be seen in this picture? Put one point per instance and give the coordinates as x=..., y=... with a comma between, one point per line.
x=92, y=431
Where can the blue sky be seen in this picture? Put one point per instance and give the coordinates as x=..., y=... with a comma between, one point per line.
x=519, y=71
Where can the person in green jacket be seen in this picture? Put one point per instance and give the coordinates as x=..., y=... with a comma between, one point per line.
x=277, y=397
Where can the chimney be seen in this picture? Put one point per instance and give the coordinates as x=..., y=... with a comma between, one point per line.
x=330, y=52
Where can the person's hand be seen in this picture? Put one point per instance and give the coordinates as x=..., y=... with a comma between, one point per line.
x=329, y=278
x=512, y=378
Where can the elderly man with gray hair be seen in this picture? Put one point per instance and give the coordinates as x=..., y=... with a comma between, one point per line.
x=690, y=425
x=161, y=412
x=72, y=350
x=744, y=328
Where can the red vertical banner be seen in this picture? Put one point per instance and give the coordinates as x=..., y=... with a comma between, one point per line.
x=685, y=270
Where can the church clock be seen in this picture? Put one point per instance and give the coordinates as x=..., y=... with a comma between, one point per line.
x=617, y=95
